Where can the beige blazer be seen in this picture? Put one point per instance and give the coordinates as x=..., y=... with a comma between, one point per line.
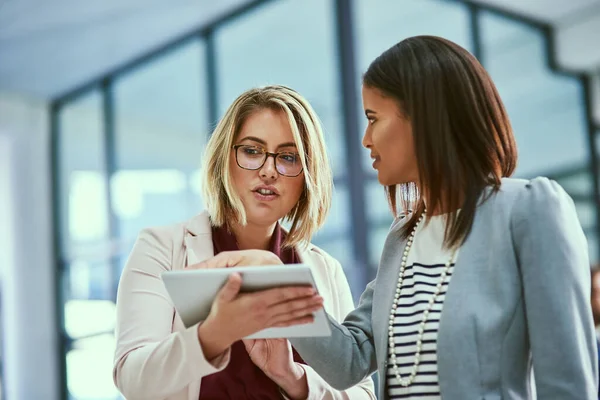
x=156, y=356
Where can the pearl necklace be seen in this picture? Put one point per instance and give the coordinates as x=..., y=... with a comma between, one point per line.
x=438, y=290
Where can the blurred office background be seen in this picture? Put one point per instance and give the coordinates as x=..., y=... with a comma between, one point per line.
x=105, y=108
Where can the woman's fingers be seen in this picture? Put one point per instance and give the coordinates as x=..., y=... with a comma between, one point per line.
x=230, y=290
x=237, y=258
x=296, y=308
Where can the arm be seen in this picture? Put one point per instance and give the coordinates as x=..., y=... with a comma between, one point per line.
x=347, y=357
x=553, y=260
x=150, y=361
x=318, y=388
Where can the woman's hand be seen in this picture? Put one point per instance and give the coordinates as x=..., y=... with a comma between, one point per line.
x=276, y=359
x=239, y=258
x=234, y=316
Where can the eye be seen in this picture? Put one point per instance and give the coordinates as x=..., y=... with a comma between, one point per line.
x=289, y=157
x=251, y=151
x=371, y=120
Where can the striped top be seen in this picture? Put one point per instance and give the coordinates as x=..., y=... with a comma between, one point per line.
x=424, y=266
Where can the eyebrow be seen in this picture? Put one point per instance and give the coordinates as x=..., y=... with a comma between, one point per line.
x=262, y=142
x=369, y=111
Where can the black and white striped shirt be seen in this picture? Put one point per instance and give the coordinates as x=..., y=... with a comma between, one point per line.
x=424, y=267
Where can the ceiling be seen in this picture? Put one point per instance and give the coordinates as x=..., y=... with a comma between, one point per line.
x=551, y=11
x=50, y=47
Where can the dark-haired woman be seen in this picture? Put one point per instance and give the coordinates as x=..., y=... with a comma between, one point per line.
x=487, y=276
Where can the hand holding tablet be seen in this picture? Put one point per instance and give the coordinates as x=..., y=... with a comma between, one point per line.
x=266, y=301
x=234, y=315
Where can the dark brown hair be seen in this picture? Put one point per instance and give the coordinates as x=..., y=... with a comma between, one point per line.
x=462, y=134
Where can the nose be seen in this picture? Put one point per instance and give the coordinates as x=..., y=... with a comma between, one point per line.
x=268, y=170
x=366, y=140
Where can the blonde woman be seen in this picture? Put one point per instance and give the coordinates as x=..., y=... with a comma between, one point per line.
x=265, y=162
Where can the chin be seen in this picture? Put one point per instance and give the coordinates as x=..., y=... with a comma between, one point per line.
x=262, y=217
x=387, y=180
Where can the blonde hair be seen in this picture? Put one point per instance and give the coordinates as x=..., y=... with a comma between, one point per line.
x=223, y=202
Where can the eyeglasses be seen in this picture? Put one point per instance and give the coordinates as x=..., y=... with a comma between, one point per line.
x=253, y=158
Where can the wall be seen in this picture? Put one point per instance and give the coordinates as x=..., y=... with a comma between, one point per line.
x=27, y=290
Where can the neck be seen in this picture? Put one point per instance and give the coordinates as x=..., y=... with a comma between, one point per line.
x=251, y=236
x=436, y=211
x=440, y=209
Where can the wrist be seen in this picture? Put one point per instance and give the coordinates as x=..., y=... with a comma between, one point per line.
x=212, y=341
x=294, y=384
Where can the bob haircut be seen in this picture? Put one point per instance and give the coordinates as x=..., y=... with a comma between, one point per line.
x=223, y=203
x=463, y=138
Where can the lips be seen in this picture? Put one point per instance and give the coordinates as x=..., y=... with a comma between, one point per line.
x=266, y=190
x=265, y=193
x=376, y=160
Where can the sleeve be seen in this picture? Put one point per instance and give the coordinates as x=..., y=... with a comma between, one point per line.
x=347, y=357
x=151, y=362
x=318, y=388
x=553, y=260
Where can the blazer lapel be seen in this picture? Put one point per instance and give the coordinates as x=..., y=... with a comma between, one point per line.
x=387, y=277
x=198, y=248
x=198, y=240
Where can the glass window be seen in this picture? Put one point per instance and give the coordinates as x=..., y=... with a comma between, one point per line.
x=89, y=279
x=338, y=221
x=586, y=213
x=378, y=209
x=592, y=237
x=382, y=23
x=290, y=43
x=86, y=284
x=380, y=218
x=546, y=109
x=84, y=318
x=89, y=368
x=161, y=128
x=578, y=182
x=84, y=207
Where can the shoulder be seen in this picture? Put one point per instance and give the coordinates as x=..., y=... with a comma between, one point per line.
x=536, y=198
x=326, y=268
x=541, y=210
x=537, y=189
x=168, y=235
x=528, y=198
x=161, y=233
x=321, y=259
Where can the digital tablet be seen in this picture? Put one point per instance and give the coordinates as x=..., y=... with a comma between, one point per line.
x=193, y=291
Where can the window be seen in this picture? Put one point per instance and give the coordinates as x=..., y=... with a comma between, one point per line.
x=161, y=115
x=82, y=174
x=87, y=283
x=546, y=109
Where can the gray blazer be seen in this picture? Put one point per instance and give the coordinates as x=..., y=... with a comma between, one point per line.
x=519, y=297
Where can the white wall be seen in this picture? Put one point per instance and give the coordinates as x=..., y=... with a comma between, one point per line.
x=28, y=305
